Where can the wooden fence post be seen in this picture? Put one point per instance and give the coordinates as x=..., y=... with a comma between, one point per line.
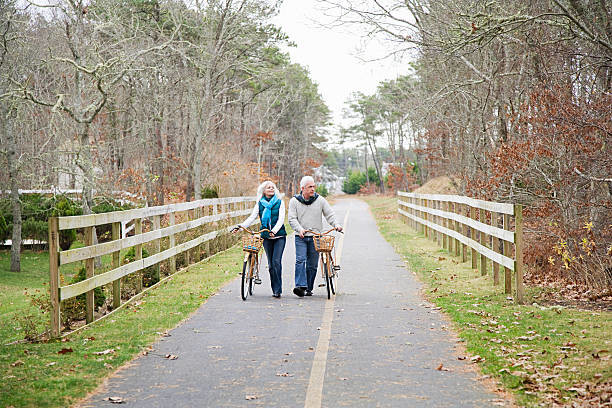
x=188, y=252
x=473, y=236
x=156, y=226
x=439, y=222
x=89, y=273
x=496, y=242
x=207, y=212
x=116, y=234
x=172, y=242
x=445, y=224
x=507, y=271
x=483, y=241
x=457, y=228
x=518, y=255
x=138, y=251
x=54, y=275
x=464, y=208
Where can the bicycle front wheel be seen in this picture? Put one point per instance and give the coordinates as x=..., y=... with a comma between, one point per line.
x=247, y=278
x=332, y=276
x=327, y=273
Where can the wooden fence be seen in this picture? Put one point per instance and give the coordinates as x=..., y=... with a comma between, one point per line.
x=458, y=222
x=207, y=220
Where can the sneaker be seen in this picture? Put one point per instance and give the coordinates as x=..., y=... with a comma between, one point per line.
x=276, y=295
x=257, y=281
x=308, y=293
x=298, y=291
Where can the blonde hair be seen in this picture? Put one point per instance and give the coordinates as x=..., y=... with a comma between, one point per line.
x=263, y=186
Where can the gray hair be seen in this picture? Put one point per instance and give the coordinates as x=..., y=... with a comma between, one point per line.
x=305, y=180
x=263, y=186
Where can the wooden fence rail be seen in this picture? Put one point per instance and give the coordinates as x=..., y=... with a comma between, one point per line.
x=458, y=222
x=209, y=218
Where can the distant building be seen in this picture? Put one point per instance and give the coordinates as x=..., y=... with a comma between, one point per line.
x=333, y=183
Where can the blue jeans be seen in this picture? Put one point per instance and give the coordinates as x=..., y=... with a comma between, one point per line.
x=274, y=251
x=306, y=262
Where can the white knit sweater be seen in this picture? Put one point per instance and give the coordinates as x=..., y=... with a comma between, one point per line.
x=310, y=217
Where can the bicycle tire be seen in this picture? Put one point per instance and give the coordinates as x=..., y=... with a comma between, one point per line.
x=327, y=276
x=244, y=281
x=254, y=267
x=332, y=278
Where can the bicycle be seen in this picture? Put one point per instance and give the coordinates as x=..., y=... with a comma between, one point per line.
x=324, y=245
x=251, y=245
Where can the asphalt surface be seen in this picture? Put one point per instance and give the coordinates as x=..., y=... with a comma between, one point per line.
x=383, y=348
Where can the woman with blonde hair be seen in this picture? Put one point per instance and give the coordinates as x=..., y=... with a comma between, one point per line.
x=270, y=209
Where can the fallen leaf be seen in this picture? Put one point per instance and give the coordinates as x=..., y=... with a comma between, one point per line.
x=17, y=363
x=476, y=359
x=51, y=364
x=104, y=352
x=115, y=400
x=442, y=368
x=65, y=350
x=250, y=397
x=284, y=375
x=170, y=356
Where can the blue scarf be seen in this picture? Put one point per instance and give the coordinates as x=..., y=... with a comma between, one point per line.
x=267, y=212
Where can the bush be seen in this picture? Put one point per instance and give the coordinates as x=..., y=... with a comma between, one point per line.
x=149, y=277
x=322, y=190
x=105, y=205
x=64, y=206
x=354, y=182
x=210, y=191
x=373, y=176
x=75, y=308
x=5, y=231
x=99, y=296
x=34, y=229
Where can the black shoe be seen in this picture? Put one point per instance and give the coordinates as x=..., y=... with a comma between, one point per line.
x=299, y=291
x=276, y=295
x=308, y=293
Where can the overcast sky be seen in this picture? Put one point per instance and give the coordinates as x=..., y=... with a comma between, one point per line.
x=331, y=55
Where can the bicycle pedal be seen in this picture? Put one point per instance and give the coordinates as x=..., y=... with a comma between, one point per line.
x=336, y=267
x=257, y=281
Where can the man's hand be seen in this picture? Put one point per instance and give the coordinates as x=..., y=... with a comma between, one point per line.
x=301, y=234
x=271, y=234
x=235, y=229
x=339, y=228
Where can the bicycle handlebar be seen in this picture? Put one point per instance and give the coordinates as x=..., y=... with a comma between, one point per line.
x=252, y=232
x=322, y=233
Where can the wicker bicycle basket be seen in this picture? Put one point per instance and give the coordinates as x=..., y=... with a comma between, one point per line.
x=324, y=243
x=251, y=243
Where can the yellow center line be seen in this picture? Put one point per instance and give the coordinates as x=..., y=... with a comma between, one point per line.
x=314, y=394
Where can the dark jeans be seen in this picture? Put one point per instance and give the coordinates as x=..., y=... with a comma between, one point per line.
x=274, y=251
x=306, y=262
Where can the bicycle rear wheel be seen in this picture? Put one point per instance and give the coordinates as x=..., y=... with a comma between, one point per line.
x=246, y=282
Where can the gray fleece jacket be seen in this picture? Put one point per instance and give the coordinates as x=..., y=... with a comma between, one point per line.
x=310, y=217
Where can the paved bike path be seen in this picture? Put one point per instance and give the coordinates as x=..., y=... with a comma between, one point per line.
x=384, y=346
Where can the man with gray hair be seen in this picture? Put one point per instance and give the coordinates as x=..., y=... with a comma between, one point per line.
x=306, y=211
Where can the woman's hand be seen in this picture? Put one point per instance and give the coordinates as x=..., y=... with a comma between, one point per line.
x=271, y=234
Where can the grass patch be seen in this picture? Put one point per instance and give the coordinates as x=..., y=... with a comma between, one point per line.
x=544, y=355
x=37, y=375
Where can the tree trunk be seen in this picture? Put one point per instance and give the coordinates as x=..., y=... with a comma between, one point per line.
x=15, y=202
